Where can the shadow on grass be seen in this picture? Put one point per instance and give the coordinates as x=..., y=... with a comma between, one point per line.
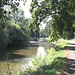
x=55, y=68
x=58, y=67
x=58, y=48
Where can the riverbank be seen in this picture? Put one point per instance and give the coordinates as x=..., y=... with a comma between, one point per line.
x=54, y=63
x=13, y=59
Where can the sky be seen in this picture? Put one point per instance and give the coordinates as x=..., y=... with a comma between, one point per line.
x=26, y=8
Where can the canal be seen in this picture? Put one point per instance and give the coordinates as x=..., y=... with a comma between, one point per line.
x=16, y=59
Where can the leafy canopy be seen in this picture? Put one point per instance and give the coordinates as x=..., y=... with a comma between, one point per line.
x=62, y=13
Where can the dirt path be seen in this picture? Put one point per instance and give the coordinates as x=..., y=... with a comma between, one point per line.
x=71, y=59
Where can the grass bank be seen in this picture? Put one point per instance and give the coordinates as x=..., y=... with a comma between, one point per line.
x=54, y=63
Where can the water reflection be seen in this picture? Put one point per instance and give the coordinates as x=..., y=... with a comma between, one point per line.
x=16, y=57
x=21, y=57
x=41, y=51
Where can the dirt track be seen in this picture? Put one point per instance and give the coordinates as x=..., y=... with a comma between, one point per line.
x=71, y=59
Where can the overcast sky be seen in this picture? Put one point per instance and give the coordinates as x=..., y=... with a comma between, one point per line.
x=26, y=8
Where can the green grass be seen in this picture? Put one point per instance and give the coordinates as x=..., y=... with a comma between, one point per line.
x=73, y=40
x=54, y=63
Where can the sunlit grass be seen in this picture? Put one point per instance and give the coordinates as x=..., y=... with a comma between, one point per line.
x=72, y=40
x=61, y=42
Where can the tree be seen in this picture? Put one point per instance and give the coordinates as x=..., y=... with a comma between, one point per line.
x=4, y=18
x=48, y=28
x=62, y=13
x=17, y=36
x=18, y=29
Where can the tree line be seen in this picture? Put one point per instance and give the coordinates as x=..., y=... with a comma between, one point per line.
x=14, y=29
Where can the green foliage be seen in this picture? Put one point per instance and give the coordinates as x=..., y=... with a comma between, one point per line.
x=14, y=30
x=54, y=63
x=47, y=30
x=34, y=39
x=17, y=37
x=42, y=33
x=62, y=43
x=3, y=38
x=54, y=36
x=19, y=32
x=3, y=19
x=62, y=13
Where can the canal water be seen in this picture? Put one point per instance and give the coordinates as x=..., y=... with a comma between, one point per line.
x=16, y=59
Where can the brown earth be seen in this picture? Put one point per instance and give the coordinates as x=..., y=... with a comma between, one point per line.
x=71, y=59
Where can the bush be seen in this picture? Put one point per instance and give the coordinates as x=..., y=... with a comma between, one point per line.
x=17, y=37
x=3, y=38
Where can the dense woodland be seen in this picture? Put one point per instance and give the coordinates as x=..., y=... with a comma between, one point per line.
x=16, y=30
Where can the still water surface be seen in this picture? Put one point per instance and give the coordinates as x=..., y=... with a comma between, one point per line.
x=18, y=58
